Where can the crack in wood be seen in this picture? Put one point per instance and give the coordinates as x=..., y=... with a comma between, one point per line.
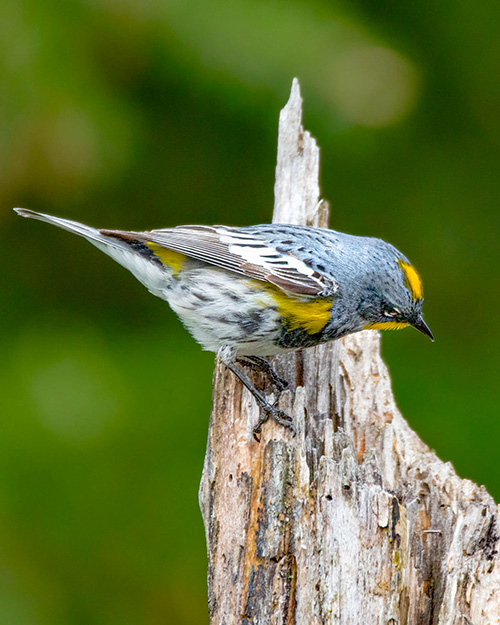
x=355, y=521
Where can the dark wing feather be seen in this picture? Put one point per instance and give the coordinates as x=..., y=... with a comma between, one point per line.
x=241, y=255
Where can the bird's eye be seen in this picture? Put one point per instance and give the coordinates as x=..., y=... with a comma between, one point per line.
x=391, y=312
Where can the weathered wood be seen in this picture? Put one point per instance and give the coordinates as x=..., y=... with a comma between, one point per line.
x=355, y=520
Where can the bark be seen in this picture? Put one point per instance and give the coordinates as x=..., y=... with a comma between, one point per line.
x=355, y=520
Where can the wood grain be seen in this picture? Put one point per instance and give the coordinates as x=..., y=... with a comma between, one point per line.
x=353, y=521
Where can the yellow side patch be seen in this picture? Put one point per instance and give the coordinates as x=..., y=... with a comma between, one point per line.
x=171, y=259
x=311, y=316
x=386, y=325
x=413, y=281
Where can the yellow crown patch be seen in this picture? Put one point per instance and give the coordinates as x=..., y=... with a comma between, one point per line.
x=413, y=280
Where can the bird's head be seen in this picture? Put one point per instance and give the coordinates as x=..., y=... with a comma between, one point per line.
x=392, y=295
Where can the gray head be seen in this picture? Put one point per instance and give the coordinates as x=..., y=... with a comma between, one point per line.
x=387, y=289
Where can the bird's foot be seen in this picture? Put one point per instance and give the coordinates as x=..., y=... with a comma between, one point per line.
x=278, y=415
x=259, y=364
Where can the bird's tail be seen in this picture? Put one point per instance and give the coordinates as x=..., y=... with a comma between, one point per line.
x=91, y=234
x=123, y=247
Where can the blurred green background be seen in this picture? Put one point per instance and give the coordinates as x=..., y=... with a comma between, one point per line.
x=150, y=113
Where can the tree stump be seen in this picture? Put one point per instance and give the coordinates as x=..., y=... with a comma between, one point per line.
x=353, y=521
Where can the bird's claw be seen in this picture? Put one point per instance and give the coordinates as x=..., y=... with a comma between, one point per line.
x=278, y=415
x=278, y=382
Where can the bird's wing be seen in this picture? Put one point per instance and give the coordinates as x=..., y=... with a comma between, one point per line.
x=243, y=252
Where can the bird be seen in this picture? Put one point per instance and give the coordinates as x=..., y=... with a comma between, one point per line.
x=247, y=293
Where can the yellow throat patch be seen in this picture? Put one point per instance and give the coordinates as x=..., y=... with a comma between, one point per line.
x=171, y=259
x=413, y=280
x=386, y=325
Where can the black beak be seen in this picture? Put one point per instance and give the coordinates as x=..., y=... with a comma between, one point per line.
x=420, y=324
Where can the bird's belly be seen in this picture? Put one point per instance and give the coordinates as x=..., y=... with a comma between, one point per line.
x=220, y=308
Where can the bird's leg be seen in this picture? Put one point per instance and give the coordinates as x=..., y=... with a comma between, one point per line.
x=267, y=410
x=227, y=356
x=260, y=364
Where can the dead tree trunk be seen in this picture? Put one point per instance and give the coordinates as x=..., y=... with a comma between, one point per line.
x=354, y=521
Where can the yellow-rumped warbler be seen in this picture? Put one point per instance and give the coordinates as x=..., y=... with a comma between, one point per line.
x=256, y=291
